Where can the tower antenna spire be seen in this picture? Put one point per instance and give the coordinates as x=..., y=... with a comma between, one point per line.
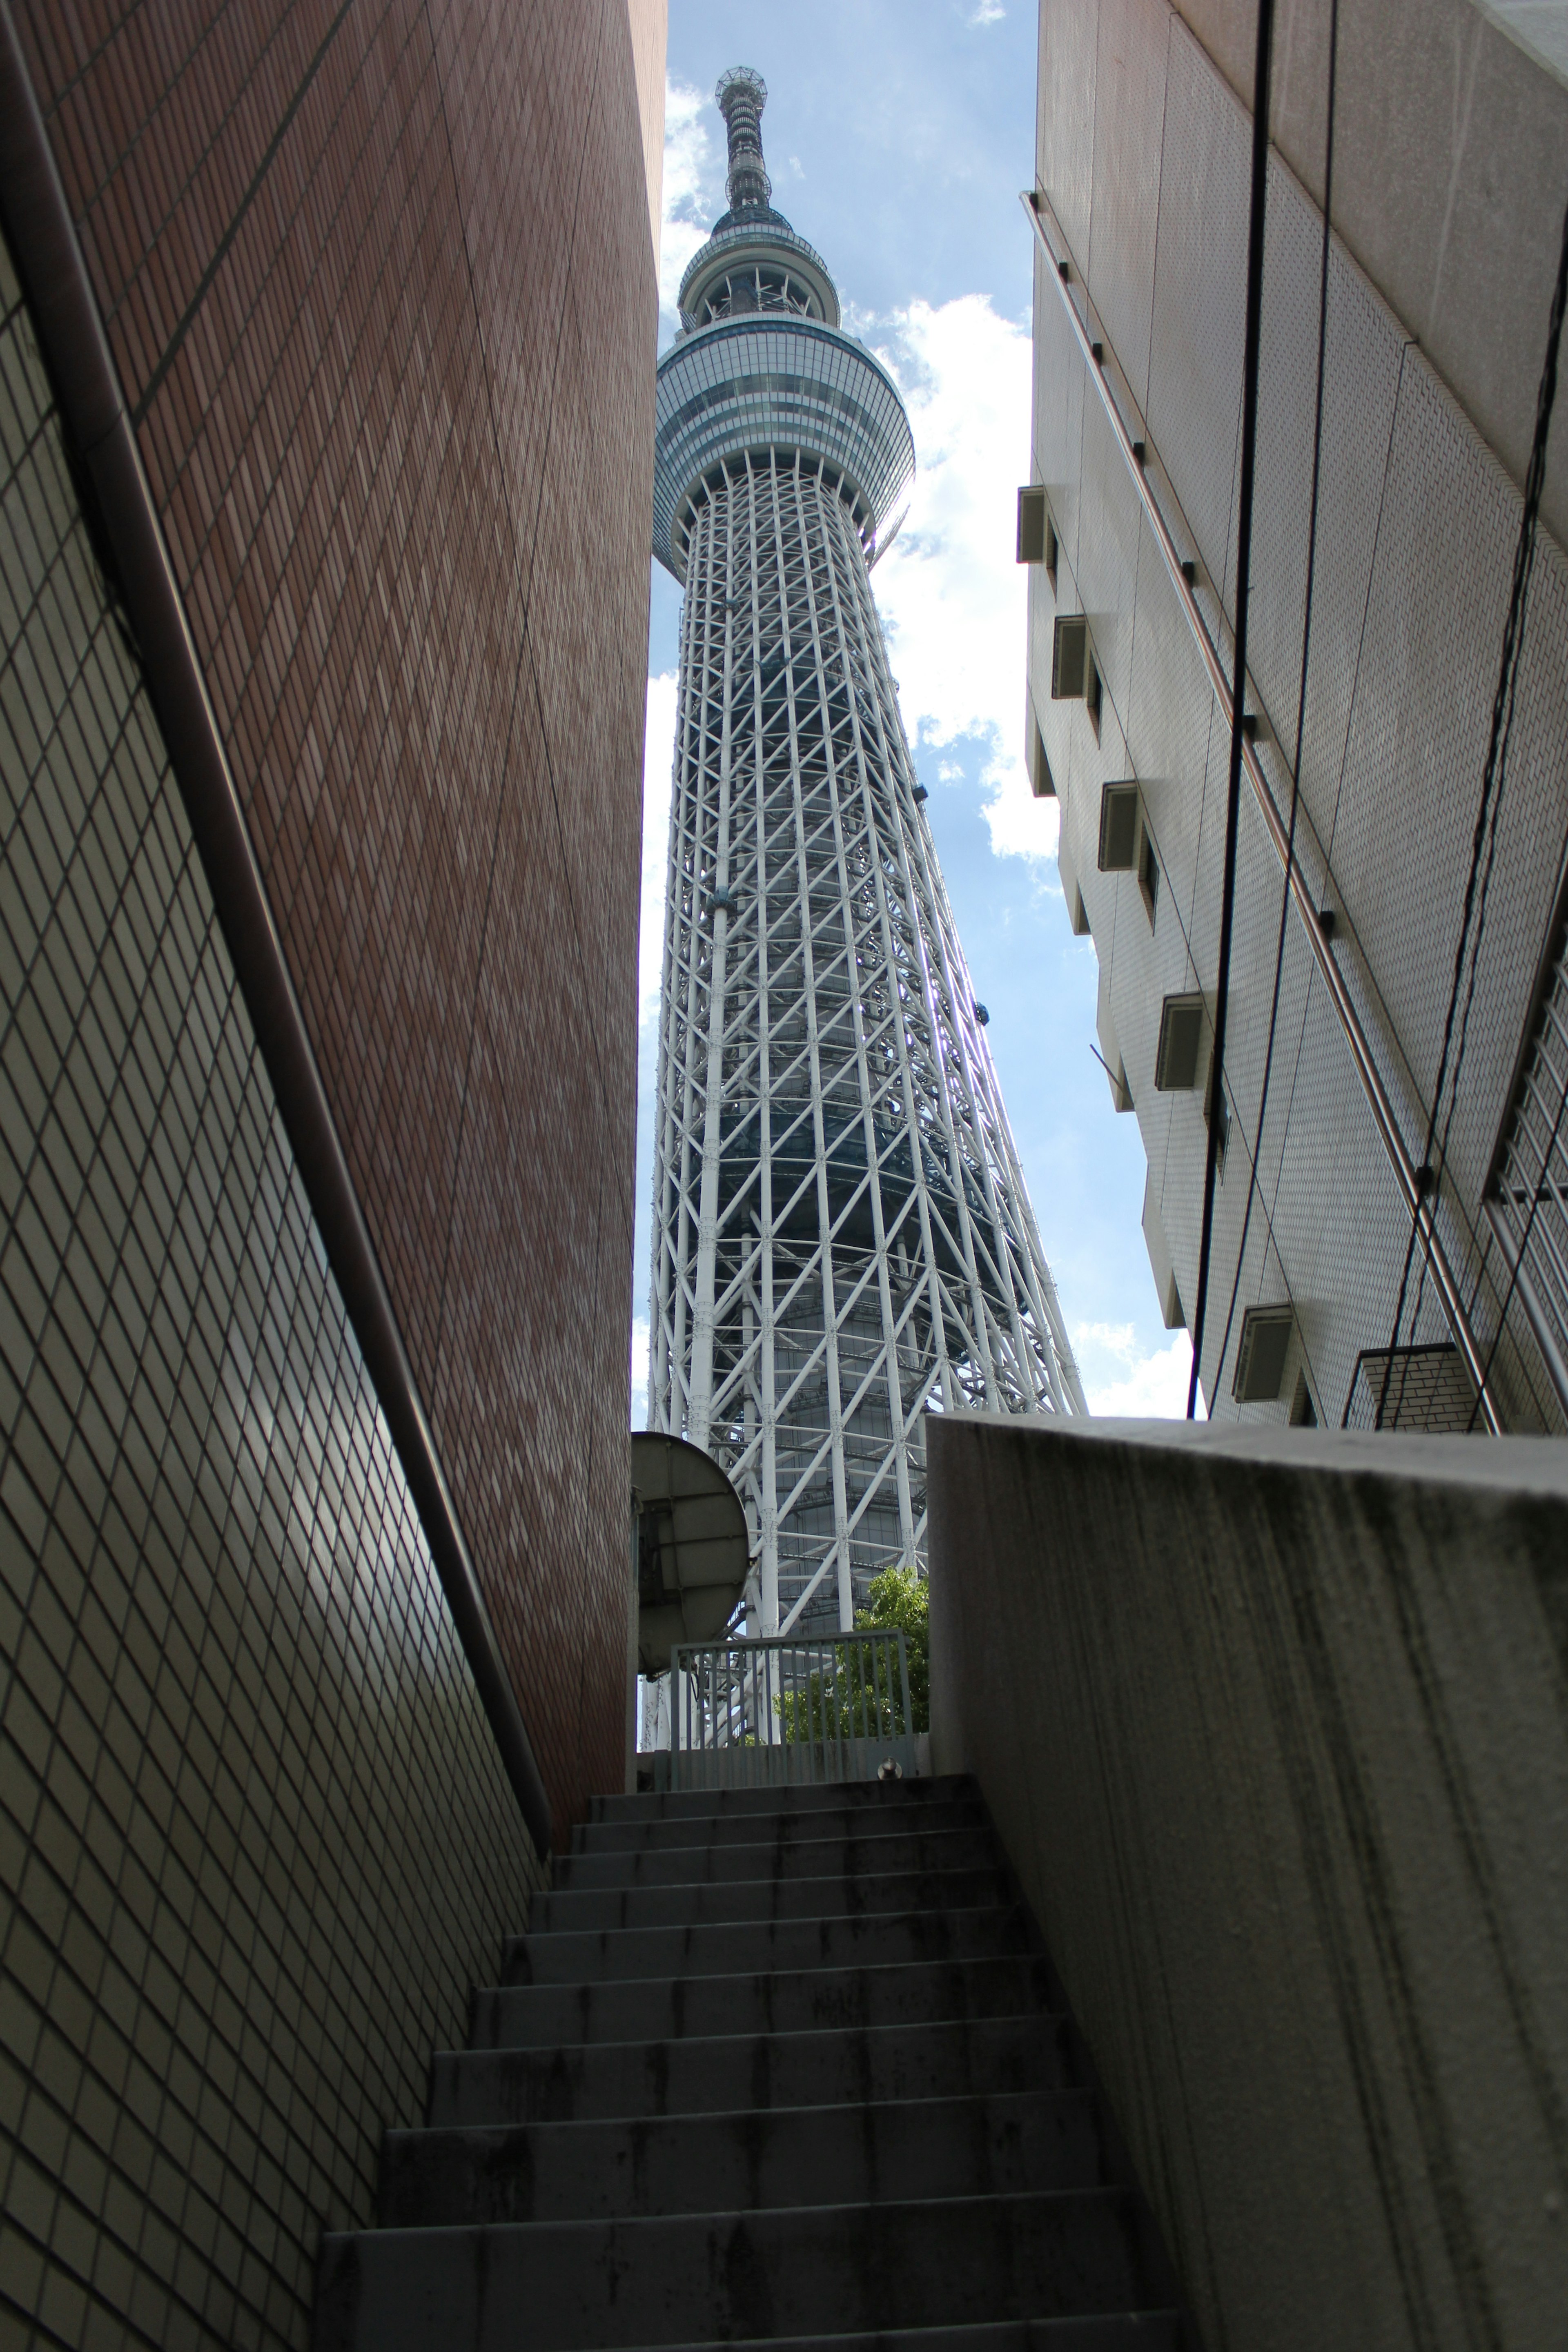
x=741, y=95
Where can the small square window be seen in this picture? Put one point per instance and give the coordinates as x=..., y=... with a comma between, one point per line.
x=1051, y=551
x=1091, y=694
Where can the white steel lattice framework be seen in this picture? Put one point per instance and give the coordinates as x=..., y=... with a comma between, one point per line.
x=842, y=1237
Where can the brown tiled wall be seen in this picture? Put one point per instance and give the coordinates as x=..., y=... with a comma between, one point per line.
x=379, y=283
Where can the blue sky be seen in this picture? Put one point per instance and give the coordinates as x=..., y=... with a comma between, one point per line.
x=897, y=138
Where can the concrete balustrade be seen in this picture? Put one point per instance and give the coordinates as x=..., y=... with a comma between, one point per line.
x=1273, y=1725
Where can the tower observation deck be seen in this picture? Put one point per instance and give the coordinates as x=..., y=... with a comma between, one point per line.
x=841, y=1237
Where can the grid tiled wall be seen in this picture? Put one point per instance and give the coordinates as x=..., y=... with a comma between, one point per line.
x=256, y=1840
x=378, y=280
x=1144, y=157
x=1424, y=1388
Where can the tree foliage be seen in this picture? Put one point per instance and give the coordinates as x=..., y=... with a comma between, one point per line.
x=851, y=1700
x=901, y=1596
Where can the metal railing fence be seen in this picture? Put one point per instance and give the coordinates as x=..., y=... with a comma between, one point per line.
x=791, y=1709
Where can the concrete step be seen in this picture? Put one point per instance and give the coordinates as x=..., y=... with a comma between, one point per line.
x=575, y=2287
x=850, y=1852
x=657, y=1835
x=790, y=2000
x=847, y=1894
x=878, y=1939
x=858, y=1796
x=1137, y=2331
x=712, y=2074
x=1005, y=2144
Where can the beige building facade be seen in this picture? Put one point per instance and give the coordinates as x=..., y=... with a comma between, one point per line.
x=1450, y=165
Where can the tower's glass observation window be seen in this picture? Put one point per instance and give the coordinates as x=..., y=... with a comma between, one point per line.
x=751, y=288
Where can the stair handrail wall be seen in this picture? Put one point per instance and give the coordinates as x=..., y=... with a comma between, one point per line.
x=1274, y=1729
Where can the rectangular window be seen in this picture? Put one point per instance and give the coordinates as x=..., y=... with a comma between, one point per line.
x=1260, y=1358
x=1118, y=828
x=1052, y=551
x=1034, y=522
x=1181, y=1043
x=1069, y=658
x=1091, y=693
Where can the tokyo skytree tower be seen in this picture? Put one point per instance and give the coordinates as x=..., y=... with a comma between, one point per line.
x=841, y=1231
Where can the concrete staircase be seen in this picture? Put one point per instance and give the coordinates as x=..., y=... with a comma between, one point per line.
x=784, y=2065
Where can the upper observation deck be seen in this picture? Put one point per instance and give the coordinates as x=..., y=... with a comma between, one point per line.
x=762, y=366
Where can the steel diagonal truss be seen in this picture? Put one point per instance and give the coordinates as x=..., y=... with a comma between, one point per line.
x=842, y=1234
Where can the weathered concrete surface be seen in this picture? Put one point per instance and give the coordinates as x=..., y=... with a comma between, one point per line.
x=904, y=2155
x=1274, y=1727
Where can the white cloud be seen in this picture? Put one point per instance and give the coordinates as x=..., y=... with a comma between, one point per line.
x=954, y=601
x=1124, y=1385
x=658, y=755
x=797, y=167
x=639, y=1371
x=694, y=167
x=988, y=12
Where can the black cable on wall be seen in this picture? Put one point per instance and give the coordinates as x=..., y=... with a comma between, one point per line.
x=1238, y=698
x=1252, y=1181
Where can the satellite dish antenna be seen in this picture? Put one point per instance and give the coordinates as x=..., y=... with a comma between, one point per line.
x=693, y=1546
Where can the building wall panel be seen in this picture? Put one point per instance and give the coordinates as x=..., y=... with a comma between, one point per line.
x=1065, y=159
x=1416, y=758
x=1171, y=716
x=1128, y=130
x=1200, y=286
x=1447, y=130
x=1107, y=566
x=1059, y=414
x=1364, y=352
